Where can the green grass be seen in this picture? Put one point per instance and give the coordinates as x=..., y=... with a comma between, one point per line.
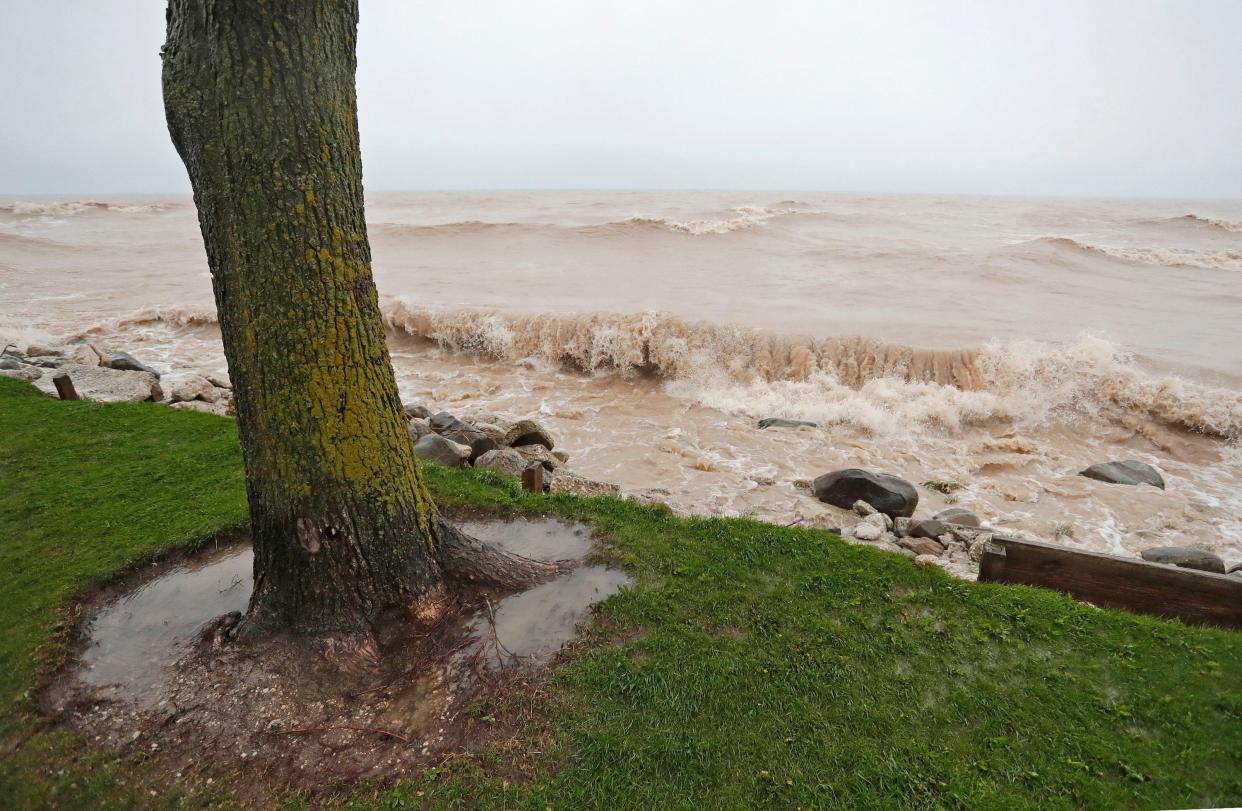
x=751, y=665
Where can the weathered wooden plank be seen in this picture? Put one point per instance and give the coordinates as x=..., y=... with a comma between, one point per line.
x=64, y=387
x=532, y=477
x=1202, y=598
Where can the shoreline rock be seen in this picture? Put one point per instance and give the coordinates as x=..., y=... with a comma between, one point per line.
x=1130, y=471
x=1186, y=558
x=887, y=493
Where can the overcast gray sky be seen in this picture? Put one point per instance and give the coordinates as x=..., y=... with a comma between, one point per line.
x=1095, y=97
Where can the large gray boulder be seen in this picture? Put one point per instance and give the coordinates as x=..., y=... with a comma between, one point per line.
x=527, y=432
x=104, y=385
x=463, y=433
x=418, y=428
x=580, y=486
x=85, y=355
x=435, y=448
x=21, y=372
x=538, y=453
x=503, y=460
x=943, y=522
x=419, y=411
x=1130, y=471
x=127, y=363
x=219, y=408
x=889, y=494
x=781, y=422
x=185, y=387
x=1186, y=558
x=478, y=442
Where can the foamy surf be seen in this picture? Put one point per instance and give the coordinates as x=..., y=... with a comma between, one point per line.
x=68, y=208
x=871, y=385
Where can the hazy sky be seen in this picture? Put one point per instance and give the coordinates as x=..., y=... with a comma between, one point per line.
x=1096, y=97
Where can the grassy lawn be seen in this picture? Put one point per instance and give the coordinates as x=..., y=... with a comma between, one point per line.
x=751, y=665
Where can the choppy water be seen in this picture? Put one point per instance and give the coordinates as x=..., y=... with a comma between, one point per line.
x=1001, y=343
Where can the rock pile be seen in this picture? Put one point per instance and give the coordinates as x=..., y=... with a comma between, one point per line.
x=953, y=538
x=97, y=374
x=499, y=442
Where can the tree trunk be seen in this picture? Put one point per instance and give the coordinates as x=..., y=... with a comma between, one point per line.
x=261, y=106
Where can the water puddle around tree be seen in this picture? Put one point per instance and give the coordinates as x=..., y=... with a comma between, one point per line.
x=134, y=641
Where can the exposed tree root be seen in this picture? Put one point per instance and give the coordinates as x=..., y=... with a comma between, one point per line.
x=465, y=558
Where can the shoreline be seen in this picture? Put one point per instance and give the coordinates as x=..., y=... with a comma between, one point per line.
x=108, y=375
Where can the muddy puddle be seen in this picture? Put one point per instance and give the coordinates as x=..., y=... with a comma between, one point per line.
x=133, y=642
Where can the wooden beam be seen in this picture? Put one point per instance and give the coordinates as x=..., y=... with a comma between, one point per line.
x=532, y=477
x=1201, y=598
x=64, y=387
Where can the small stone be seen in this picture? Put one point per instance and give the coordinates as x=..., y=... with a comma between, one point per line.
x=958, y=515
x=220, y=381
x=42, y=351
x=901, y=526
x=866, y=531
x=418, y=428
x=922, y=546
x=1186, y=558
x=863, y=509
x=978, y=546
x=926, y=560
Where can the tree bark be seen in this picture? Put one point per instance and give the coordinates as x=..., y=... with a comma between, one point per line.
x=261, y=106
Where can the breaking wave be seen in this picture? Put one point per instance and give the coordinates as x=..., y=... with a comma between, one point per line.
x=1200, y=221
x=1202, y=259
x=740, y=218
x=879, y=387
x=68, y=208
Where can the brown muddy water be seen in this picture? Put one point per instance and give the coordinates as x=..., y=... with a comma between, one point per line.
x=133, y=642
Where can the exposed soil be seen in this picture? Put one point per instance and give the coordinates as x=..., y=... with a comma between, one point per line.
x=151, y=671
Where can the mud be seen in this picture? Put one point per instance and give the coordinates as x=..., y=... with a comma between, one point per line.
x=152, y=673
